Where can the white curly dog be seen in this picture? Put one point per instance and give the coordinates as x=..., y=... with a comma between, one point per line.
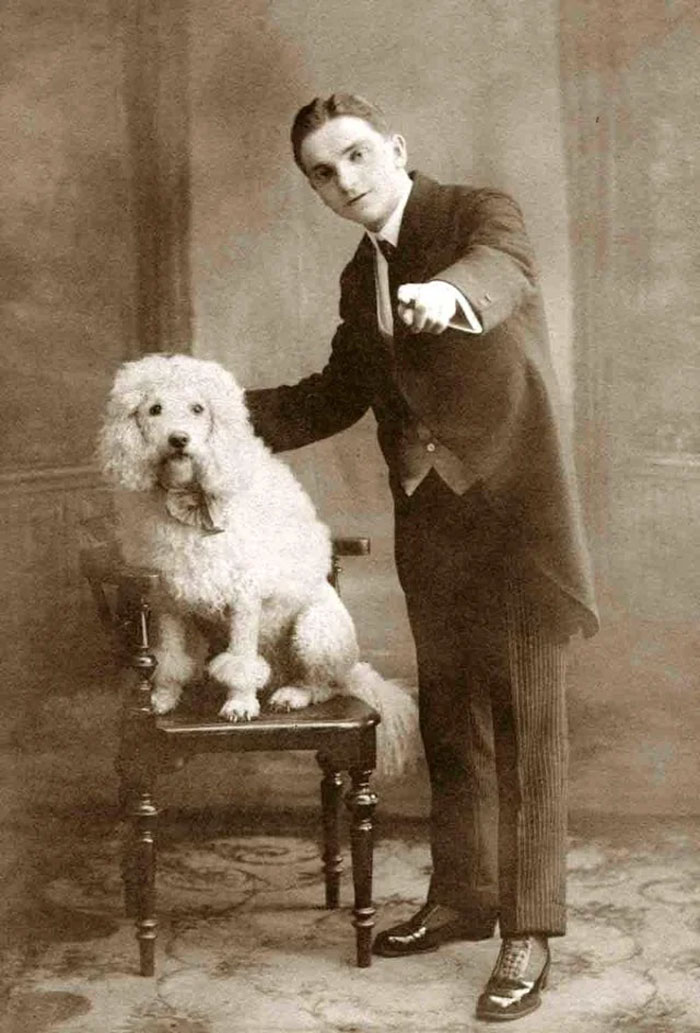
x=240, y=552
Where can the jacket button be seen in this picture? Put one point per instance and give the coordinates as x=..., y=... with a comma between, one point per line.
x=430, y=447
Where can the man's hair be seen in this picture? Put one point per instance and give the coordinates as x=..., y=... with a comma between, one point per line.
x=316, y=113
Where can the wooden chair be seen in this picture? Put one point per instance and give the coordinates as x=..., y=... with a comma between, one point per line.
x=342, y=732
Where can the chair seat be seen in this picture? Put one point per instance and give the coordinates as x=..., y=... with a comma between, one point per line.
x=339, y=712
x=342, y=726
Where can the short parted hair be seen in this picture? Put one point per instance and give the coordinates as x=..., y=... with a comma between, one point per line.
x=317, y=112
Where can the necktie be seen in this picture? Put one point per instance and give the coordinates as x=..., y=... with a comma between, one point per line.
x=387, y=289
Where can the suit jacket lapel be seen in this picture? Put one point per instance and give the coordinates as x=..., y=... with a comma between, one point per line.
x=421, y=227
x=358, y=280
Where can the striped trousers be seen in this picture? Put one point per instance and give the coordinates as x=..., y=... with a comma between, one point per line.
x=492, y=711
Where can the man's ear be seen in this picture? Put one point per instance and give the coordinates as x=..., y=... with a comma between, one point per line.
x=398, y=145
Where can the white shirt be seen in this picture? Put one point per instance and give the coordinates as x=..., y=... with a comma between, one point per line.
x=465, y=318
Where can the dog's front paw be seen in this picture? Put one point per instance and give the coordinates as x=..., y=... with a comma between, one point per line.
x=244, y=674
x=165, y=697
x=290, y=697
x=240, y=708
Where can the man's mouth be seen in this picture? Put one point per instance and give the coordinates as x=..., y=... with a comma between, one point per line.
x=354, y=200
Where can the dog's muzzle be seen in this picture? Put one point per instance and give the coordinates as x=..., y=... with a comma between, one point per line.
x=176, y=471
x=176, y=468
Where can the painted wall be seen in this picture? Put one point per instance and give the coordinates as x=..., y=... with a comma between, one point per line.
x=629, y=82
x=66, y=317
x=65, y=242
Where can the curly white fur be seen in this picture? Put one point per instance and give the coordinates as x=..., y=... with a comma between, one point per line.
x=239, y=549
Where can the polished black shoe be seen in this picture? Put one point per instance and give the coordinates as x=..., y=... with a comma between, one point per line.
x=519, y=975
x=433, y=925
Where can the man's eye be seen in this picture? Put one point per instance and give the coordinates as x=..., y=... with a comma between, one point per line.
x=155, y=410
x=357, y=155
x=197, y=408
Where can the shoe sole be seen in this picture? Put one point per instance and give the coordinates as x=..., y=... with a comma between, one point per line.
x=489, y=1016
x=387, y=952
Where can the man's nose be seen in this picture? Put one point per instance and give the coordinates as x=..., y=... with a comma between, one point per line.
x=346, y=178
x=178, y=439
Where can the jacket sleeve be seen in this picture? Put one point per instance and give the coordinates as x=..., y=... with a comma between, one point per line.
x=318, y=406
x=496, y=272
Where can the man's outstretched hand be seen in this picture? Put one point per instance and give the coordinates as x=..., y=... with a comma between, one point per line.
x=427, y=307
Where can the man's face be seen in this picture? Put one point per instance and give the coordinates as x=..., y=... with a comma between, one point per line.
x=357, y=172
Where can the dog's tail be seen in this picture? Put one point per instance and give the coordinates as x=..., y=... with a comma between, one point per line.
x=397, y=734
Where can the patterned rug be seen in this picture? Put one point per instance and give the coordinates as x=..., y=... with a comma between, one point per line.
x=245, y=946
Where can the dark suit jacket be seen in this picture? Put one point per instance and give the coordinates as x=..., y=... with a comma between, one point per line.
x=491, y=398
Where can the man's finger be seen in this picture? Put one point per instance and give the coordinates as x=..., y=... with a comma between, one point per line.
x=420, y=318
x=406, y=313
x=408, y=292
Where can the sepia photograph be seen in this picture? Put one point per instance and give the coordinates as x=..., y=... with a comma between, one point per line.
x=350, y=516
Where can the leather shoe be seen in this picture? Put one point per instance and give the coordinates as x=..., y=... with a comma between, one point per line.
x=520, y=973
x=425, y=931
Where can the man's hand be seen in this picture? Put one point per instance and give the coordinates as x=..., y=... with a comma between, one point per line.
x=427, y=307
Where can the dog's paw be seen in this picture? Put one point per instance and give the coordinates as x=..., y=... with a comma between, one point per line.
x=290, y=697
x=165, y=697
x=240, y=708
x=245, y=674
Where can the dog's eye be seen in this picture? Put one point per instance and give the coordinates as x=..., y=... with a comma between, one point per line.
x=155, y=410
x=197, y=408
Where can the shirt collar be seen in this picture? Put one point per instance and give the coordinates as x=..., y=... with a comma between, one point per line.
x=392, y=227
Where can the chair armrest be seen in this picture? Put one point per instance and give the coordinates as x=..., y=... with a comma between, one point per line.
x=351, y=546
x=101, y=564
x=345, y=547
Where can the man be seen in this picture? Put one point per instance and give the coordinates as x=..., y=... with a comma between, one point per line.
x=443, y=335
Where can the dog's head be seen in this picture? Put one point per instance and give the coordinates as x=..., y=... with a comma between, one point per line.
x=174, y=421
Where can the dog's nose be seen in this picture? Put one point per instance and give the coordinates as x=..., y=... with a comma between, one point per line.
x=178, y=439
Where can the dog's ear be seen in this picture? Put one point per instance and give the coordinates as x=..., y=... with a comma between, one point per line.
x=231, y=444
x=120, y=448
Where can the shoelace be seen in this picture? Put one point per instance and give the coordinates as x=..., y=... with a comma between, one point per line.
x=515, y=955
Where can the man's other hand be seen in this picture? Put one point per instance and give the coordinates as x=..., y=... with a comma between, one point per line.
x=427, y=307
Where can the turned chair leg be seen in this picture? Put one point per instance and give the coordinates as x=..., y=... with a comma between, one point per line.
x=331, y=792
x=138, y=865
x=142, y=864
x=138, y=764
x=361, y=801
x=128, y=865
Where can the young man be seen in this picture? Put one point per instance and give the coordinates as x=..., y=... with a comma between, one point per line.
x=443, y=335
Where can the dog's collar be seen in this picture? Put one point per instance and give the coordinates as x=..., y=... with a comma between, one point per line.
x=191, y=506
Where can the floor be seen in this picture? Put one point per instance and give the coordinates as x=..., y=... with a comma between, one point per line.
x=245, y=946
